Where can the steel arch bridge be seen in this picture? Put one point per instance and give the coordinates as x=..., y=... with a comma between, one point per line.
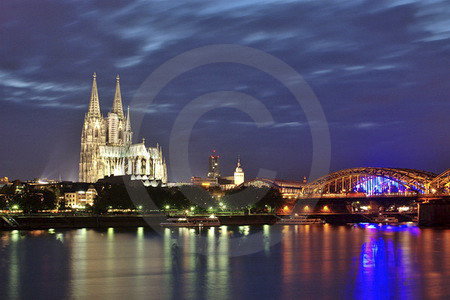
x=441, y=183
x=373, y=181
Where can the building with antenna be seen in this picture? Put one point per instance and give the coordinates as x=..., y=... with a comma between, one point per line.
x=213, y=166
x=107, y=148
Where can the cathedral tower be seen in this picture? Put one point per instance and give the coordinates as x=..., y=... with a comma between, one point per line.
x=116, y=120
x=93, y=135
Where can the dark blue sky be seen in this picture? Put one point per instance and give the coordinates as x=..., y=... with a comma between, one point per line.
x=380, y=70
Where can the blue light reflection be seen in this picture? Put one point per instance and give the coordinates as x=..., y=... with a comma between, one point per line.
x=411, y=228
x=383, y=264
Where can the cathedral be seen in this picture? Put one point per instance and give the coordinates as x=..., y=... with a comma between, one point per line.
x=107, y=148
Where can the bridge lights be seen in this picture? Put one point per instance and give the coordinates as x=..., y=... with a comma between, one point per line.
x=403, y=208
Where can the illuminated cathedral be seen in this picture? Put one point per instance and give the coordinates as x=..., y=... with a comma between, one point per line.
x=107, y=148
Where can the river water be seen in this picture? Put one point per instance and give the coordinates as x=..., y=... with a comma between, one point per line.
x=242, y=262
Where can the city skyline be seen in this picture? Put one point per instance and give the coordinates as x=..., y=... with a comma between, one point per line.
x=382, y=82
x=235, y=149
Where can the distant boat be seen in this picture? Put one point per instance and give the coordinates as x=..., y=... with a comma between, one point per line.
x=299, y=220
x=385, y=219
x=210, y=221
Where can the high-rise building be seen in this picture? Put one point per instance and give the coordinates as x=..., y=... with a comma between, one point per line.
x=107, y=148
x=239, y=177
x=213, y=166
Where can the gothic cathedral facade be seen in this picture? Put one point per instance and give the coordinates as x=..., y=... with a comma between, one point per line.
x=107, y=148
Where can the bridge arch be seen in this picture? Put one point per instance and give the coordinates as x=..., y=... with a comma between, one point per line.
x=372, y=181
x=441, y=183
x=261, y=182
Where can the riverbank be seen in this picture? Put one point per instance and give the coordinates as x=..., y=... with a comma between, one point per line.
x=29, y=222
x=104, y=221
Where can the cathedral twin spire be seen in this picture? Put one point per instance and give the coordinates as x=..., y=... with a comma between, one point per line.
x=94, y=105
x=117, y=104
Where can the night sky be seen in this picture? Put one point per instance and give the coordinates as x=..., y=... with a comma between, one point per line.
x=380, y=70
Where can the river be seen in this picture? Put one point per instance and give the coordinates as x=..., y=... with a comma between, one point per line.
x=228, y=262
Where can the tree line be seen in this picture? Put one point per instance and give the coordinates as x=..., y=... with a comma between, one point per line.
x=117, y=197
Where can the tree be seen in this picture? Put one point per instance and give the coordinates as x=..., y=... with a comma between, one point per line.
x=48, y=200
x=114, y=196
x=257, y=198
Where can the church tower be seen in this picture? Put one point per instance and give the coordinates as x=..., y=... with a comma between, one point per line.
x=239, y=173
x=93, y=135
x=116, y=120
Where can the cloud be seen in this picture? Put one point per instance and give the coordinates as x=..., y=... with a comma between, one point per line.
x=367, y=125
x=370, y=63
x=155, y=108
x=275, y=125
x=8, y=80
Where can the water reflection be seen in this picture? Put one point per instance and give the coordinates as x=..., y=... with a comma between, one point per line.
x=14, y=274
x=373, y=280
x=78, y=243
x=31, y=264
x=312, y=261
